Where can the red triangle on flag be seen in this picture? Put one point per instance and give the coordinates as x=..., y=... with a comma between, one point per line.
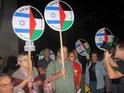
x=32, y=23
x=62, y=15
x=105, y=37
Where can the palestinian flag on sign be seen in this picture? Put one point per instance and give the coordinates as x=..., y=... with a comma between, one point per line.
x=59, y=15
x=103, y=36
x=28, y=23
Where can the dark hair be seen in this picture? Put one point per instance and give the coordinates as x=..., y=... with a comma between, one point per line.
x=94, y=52
x=4, y=74
x=120, y=45
x=1, y=58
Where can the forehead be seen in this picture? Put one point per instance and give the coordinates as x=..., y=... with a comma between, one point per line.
x=46, y=50
x=24, y=57
x=71, y=53
x=5, y=79
x=65, y=49
x=94, y=54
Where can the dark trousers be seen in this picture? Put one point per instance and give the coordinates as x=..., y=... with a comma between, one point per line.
x=93, y=88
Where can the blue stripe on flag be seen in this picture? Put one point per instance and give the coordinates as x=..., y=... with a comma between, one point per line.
x=100, y=34
x=81, y=52
x=99, y=44
x=22, y=30
x=78, y=45
x=53, y=21
x=22, y=15
x=52, y=8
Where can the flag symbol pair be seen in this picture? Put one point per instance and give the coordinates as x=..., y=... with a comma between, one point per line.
x=103, y=37
x=59, y=15
x=82, y=47
x=28, y=22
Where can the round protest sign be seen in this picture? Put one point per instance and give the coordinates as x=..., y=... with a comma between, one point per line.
x=28, y=23
x=104, y=38
x=59, y=15
x=82, y=47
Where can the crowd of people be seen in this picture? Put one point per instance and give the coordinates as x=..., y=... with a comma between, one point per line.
x=49, y=76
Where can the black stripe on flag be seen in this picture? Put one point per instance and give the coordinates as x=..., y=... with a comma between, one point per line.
x=36, y=14
x=65, y=7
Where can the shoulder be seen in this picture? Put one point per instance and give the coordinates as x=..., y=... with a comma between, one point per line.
x=16, y=73
x=100, y=63
x=76, y=64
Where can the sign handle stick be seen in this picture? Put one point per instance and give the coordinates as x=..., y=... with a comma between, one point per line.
x=30, y=63
x=61, y=47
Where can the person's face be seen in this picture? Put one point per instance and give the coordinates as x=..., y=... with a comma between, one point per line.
x=65, y=53
x=71, y=57
x=94, y=57
x=47, y=53
x=6, y=85
x=119, y=53
x=24, y=61
x=75, y=52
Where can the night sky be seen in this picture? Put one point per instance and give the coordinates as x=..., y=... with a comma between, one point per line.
x=90, y=16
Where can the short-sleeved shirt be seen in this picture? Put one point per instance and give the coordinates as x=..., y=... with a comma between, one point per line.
x=62, y=85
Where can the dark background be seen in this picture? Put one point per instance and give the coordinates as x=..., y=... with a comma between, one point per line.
x=90, y=16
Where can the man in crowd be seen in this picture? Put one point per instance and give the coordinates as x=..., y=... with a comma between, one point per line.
x=6, y=85
x=77, y=70
x=43, y=63
x=2, y=65
x=94, y=74
x=115, y=66
x=62, y=78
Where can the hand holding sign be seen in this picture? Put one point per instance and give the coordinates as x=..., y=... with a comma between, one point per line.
x=28, y=24
x=60, y=17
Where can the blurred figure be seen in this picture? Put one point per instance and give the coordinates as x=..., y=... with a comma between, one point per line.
x=115, y=65
x=11, y=65
x=42, y=66
x=2, y=65
x=77, y=60
x=61, y=79
x=43, y=63
x=94, y=74
x=6, y=85
x=21, y=74
x=77, y=70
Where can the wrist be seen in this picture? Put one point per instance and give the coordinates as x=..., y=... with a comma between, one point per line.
x=59, y=74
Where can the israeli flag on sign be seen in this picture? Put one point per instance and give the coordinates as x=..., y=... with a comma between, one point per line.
x=82, y=47
x=28, y=23
x=103, y=36
x=59, y=15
